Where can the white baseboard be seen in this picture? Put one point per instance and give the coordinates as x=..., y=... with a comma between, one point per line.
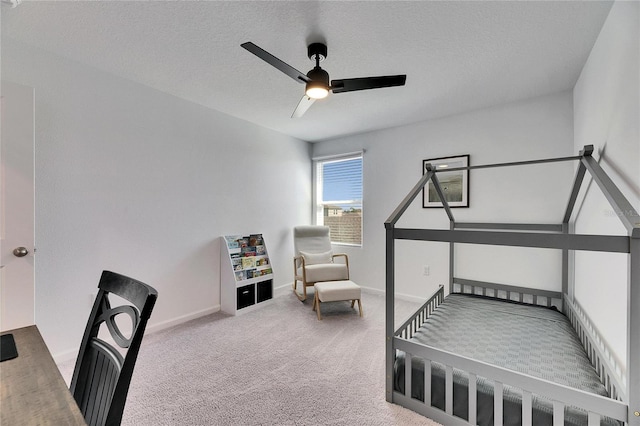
x=153, y=328
x=283, y=289
x=68, y=355
x=399, y=296
x=65, y=356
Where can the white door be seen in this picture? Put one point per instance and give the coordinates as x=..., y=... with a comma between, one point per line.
x=17, y=290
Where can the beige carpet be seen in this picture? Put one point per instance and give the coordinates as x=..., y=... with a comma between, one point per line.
x=277, y=365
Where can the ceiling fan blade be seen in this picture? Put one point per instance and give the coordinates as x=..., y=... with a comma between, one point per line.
x=365, y=83
x=303, y=106
x=275, y=62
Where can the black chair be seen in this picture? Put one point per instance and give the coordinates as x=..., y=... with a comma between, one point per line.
x=102, y=375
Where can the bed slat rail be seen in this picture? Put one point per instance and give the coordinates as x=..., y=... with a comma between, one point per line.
x=595, y=405
x=408, y=329
x=508, y=292
x=608, y=367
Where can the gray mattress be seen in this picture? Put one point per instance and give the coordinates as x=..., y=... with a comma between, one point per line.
x=529, y=339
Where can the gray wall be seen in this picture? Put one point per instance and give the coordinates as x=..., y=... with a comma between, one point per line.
x=536, y=128
x=143, y=183
x=607, y=115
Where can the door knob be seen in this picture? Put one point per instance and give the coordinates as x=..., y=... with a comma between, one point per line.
x=20, y=252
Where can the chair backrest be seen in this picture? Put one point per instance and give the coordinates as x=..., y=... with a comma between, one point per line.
x=102, y=374
x=312, y=239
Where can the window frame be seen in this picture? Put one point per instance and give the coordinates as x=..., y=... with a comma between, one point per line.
x=319, y=204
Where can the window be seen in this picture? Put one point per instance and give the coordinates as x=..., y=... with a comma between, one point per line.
x=338, y=187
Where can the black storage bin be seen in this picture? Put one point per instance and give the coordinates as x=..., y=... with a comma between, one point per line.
x=246, y=296
x=265, y=290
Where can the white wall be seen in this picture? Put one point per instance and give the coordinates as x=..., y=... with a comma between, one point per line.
x=533, y=129
x=607, y=115
x=143, y=183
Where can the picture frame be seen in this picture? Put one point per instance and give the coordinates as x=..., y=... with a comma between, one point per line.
x=455, y=185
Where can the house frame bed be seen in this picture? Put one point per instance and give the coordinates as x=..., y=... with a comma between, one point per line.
x=622, y=386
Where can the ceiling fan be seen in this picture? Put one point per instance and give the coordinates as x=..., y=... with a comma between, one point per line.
x=317, y=80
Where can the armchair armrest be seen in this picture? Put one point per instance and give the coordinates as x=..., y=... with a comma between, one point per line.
x=346, y=258
x=298, y=261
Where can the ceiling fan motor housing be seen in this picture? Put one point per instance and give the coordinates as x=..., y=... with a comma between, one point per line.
x=319, y=49
x=319, y=76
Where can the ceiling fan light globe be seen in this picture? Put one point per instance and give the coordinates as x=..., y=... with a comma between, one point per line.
x=317, y=92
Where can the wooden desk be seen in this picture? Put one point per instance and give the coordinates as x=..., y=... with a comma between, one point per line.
x=32, y=390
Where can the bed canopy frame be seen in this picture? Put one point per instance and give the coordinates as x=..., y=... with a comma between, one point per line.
x=624, y=387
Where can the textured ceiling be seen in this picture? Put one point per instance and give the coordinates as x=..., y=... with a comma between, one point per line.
x=458, y=56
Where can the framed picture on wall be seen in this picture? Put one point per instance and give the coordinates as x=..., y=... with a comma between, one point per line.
x=454, y=184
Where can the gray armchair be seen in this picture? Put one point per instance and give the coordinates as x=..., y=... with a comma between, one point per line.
x=314, y=260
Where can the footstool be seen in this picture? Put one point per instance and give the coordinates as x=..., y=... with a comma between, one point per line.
x=333, y=291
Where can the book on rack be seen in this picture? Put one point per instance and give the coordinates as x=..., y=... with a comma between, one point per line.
x=248, y=262
x=248, y=251
x=252, y=273
x=232, y=241
x=256, y=240
x=237, y=263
